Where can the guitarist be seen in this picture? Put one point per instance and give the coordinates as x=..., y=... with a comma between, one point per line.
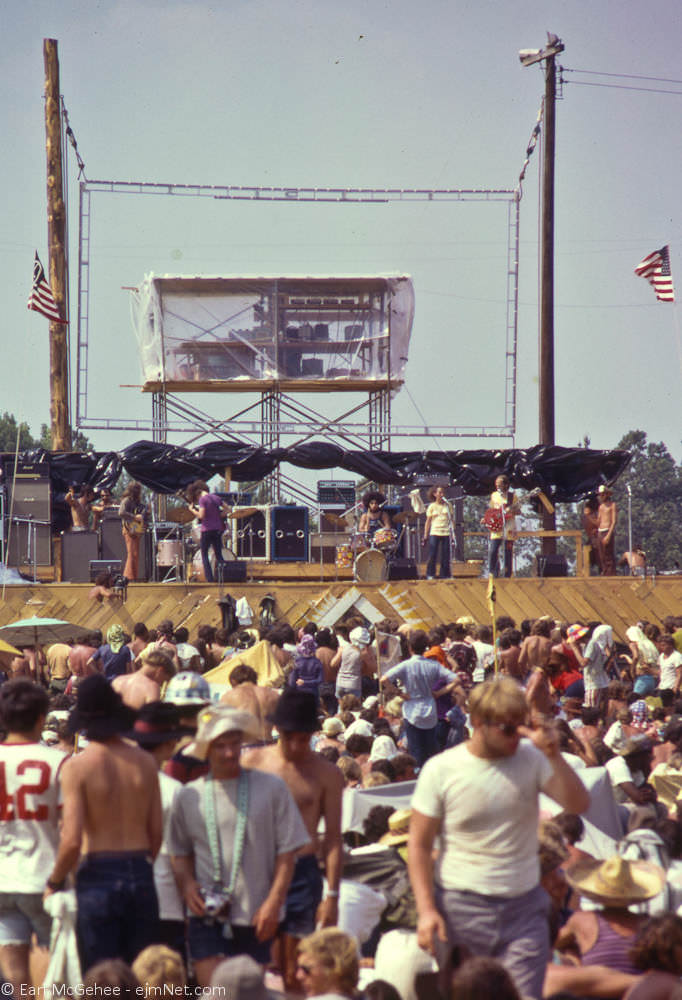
x=133, y=515
x=211, y=513
x=504, y=501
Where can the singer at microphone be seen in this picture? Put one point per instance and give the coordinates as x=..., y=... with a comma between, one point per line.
x=374, y=517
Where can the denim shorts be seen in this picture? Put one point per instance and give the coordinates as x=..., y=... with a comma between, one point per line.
x=303, y=898
x=22, y=914
x=206, y=939
x=118, y=911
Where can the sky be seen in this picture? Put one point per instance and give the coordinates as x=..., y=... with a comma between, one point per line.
x=362, y=94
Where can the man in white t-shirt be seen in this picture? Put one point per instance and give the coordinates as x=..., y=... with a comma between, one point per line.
x=481, y=799
x=29, y=814
x=669, y=664
x=157, y=730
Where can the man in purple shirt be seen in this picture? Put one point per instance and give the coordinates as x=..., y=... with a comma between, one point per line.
x=210, y=510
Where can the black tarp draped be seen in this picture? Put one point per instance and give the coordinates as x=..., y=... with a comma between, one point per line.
x=564, y=474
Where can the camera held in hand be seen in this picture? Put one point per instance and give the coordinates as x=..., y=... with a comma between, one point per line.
x=217, y=904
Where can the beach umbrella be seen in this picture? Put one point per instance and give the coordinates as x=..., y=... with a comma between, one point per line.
x=39, y=631
x=7, y=653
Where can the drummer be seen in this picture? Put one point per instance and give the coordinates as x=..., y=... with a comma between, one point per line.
x=374, y=516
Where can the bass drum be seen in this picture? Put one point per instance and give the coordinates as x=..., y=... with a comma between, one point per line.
x=371, y=567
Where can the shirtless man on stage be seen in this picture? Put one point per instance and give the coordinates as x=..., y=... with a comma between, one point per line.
x=80, y=507
x=606, y=515
x=112, y=811
x=316, y=786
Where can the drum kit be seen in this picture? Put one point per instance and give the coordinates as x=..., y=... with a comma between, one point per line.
x=183, y=553
x=369, y=554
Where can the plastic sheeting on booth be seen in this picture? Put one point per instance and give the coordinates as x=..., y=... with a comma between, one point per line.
x=230, y=329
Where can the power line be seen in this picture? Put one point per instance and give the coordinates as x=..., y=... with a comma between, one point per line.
x=620, y=86
x=623, y=76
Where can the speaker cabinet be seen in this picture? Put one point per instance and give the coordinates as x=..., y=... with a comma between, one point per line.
x=31, y=498
x=402, y=569
x=113, y=549
x=251, y=535
x=232, y=572
x=79, y=549
x=290, y=534
x=112, y=546
x=22, y=537
x=554, y=565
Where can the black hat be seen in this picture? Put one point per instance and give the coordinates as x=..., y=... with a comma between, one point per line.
x=156, y=722
x=99, y=713
x=295, y=712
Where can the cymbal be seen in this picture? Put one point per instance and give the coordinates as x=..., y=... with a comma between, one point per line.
x=336, y=519
x=237, y=515
x=179, y=515
x=405, y=515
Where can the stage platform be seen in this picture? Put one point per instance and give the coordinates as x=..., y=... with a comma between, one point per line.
x=301, y=597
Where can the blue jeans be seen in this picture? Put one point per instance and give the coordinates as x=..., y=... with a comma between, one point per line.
x=206, y=939
x=494, y=557
x=118, y=912
x=208, y=540
x=421, y=743
x=439, y=544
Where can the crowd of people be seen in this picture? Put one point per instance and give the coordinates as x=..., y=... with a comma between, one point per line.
x=373, y=811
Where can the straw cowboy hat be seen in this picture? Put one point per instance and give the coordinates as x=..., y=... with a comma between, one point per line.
x=398, y=832
x=617, y=881
x=398, y=828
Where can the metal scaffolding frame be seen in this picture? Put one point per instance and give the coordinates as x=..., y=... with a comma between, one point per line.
x=280, y=415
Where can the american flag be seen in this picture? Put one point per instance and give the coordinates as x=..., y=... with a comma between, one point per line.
x=41, y=298
x=656, y=269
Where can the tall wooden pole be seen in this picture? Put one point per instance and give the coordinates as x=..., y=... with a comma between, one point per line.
x=546, y=346
x=57, y=270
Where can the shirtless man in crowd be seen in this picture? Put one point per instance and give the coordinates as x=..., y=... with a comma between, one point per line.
x=144, y=685
x=112, y=811
x=247, y=695
x=316, y=786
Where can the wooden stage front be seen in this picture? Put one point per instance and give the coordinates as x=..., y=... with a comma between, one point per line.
x=300, y=596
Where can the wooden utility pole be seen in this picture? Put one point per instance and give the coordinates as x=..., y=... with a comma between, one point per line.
x=60, y=423
x=546, y=346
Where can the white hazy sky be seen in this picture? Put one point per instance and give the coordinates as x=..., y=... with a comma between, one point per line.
x=362, y=94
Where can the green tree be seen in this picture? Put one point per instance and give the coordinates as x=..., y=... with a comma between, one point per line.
x=8, y=434
x=655, y=485
x=79, y=442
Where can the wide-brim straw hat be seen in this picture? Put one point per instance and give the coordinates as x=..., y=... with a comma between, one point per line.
x=398, y=828
x=616, y=881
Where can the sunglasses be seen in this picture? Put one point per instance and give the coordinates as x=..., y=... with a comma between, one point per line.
x=506, y=728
